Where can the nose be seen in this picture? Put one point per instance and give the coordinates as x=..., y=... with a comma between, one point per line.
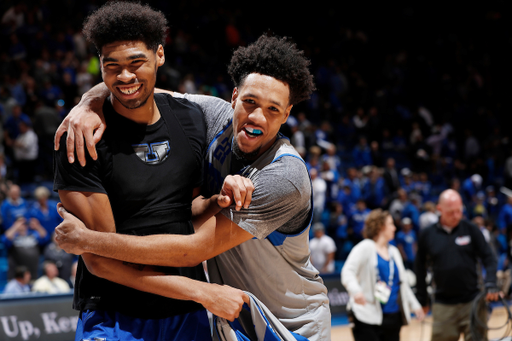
x=125, y=76
x=257, y=116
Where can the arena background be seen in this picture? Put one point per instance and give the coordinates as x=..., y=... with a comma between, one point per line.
x=398, y=64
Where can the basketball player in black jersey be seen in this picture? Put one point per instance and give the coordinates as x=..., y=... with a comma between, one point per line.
x=150, y=135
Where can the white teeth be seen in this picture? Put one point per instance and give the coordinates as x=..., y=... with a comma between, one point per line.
x=129, y=91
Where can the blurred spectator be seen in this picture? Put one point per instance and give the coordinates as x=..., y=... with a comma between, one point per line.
x=373, y=190
x=357, y=219
x=50, y=283
x=406, y=183
x=470, y=188
x=354, y=182
x=397, y=205
x=504, y=221
x=411, y=210
x=23, y=241
x=492, y=204
x=26, y=151
x=428, y=216
x=13, y=206
x=332, y=158
x=12, y=124
x=45, y=210
x=406, y=242
x=391, y=179
x=323, y=137
x=361, y=154
x=63, y=260
x=323, y=249
x=20, y=283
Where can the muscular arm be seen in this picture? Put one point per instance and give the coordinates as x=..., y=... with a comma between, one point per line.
x=217, y=235
x=94, y=209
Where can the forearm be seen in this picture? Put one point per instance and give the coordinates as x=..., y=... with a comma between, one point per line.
x=177, y=287
x=217, y=235
x=95, y=97
x=163, y=250
x=203, y=209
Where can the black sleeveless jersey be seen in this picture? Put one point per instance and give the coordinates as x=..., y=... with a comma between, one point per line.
x=148, y=173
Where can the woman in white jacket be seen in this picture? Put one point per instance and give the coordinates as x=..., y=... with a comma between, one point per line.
x=381, y=300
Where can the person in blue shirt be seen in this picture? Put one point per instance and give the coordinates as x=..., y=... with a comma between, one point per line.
x=13, y=206
x=406, y=241
x=20, y=283
x=505, y=215
x=374, y=191
x=45, y=211
x=361, y=154
x=412, y=211
x=470, y=188
x=358, y=218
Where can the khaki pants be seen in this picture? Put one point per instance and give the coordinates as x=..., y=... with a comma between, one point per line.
x=450, y=320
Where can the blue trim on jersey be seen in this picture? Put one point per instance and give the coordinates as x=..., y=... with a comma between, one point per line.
x=217, y=136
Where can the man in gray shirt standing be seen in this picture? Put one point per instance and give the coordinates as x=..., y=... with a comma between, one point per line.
x=263, y=248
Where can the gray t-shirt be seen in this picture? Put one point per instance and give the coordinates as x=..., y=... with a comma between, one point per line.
x=282, y=189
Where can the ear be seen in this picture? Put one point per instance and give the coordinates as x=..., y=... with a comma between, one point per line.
x=160, y=56
x=234, y=96
x=287, y=113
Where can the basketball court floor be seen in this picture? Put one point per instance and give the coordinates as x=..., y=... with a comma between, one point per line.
x=421, y=331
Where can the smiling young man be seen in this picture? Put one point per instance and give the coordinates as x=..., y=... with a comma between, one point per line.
x=148, y=170
x=263, y=249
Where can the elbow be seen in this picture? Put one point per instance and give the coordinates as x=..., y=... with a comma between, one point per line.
x=191, y=260
x=95, y=266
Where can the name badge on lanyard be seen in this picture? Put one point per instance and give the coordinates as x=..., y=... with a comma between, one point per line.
x=383, y=289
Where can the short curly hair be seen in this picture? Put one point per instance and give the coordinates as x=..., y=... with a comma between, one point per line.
x=278, y=58
x=125, y=21
x=374, y=223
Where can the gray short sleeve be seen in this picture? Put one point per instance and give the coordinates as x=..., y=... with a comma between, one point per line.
x=217, y=112
x=281, y=200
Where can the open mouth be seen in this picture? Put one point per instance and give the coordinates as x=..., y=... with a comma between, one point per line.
x=252, y=132
x=130, y=90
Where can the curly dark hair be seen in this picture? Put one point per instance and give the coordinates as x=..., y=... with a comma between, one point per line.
x=278, y=58
x=125, y=21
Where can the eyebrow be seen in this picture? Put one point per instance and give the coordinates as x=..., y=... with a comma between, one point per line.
x=132, y=57
x=253, y=95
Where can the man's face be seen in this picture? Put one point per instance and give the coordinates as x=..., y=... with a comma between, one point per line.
x=261, y=106
x=451, y=213
x=129, y=70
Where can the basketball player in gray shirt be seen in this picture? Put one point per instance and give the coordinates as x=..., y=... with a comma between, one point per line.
x=263, y=249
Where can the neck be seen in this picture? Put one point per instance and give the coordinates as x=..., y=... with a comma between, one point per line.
x=147, y=114
x=381, y=242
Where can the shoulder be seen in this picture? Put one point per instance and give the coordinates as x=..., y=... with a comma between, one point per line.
x=180, y=106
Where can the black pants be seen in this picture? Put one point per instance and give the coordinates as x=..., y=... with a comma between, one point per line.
x=389, y=330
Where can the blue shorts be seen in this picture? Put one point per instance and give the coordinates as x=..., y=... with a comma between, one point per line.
x=99, y=325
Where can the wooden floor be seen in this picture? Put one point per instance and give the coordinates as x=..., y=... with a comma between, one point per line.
x=418, y=331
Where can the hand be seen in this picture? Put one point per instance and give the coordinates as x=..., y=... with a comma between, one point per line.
x=34, y=224
x=425, y=309
x=420, y=314
x=83, y=121
x=70, y=233
x=236, y=188
x=359, y=298
x=224, y=301
x=493, y=294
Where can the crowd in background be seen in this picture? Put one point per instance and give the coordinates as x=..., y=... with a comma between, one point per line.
x=400, y=113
